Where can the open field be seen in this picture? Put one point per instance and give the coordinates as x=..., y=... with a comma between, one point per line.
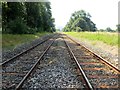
x=9, y=41
x=105, y=37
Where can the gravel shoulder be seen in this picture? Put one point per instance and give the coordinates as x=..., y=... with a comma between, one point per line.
x=93, y=67
x=6, y=54
x=13, y=72
x=107, y=52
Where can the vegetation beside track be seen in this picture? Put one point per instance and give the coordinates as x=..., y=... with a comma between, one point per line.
x=10, y=41
x=26, y=17
x=94, y=37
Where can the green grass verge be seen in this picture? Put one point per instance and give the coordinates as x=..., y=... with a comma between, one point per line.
x=10, y=41
x=105, y=37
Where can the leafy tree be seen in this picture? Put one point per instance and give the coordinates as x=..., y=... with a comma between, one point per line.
x=102, y=30
x=118, y=27
x=27, y=17
x=17, y=26
x=108, y=29
x=82, y=20
x=12, y=11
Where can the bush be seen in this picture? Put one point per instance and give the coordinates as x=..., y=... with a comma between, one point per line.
x=31, y=30
x=40, y=29
x=17, y=26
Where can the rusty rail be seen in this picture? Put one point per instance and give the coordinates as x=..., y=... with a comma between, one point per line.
x=33, y=68
x=89, y=86
x=21, y=53
x=98, y=56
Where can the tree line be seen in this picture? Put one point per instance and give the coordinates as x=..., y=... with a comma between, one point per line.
x=27, y=17
x=108, y=29
x=80, y=21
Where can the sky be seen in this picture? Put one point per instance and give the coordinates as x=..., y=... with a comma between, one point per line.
x=104, y=12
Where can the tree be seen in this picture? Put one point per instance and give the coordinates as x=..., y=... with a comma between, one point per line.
x=108, y=29
x=27, y=17
x=101, y=30
x=13, y=12
x=118, y=27
x=82, y=20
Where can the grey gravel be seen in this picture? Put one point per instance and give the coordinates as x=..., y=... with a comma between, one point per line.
x=105, y=71
x=55, y=70
x=108, y=56
x=6, y=54
x=21, y=65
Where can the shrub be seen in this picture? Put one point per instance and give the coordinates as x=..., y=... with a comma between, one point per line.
x=31, y=30
x=17, y=26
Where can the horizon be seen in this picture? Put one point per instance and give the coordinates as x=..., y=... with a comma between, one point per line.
x=100, y=15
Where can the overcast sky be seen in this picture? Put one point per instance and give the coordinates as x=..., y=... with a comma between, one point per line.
x=104, y=12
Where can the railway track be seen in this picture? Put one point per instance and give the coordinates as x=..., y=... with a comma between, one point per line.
x=21, y=65
x=97, y=72
x=54, y=71
x=23, y=52
x=93, y=71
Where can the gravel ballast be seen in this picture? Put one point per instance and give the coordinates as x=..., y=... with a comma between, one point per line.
x=93, y=66
x=55, y=70
x=14, y=71
x=102, y=51
x=6, y=54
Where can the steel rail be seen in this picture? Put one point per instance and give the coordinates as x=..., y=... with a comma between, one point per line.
x=33, y=68
x=21, y=53
x=101, y=58
x=80, y=68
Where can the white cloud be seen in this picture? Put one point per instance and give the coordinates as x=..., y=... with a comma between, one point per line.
x=104, y=12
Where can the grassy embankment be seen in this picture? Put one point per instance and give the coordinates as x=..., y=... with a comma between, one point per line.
x=10, y=41
x=94, y=37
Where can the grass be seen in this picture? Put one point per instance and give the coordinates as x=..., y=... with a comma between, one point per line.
x=105, y=37
x=10, y=41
